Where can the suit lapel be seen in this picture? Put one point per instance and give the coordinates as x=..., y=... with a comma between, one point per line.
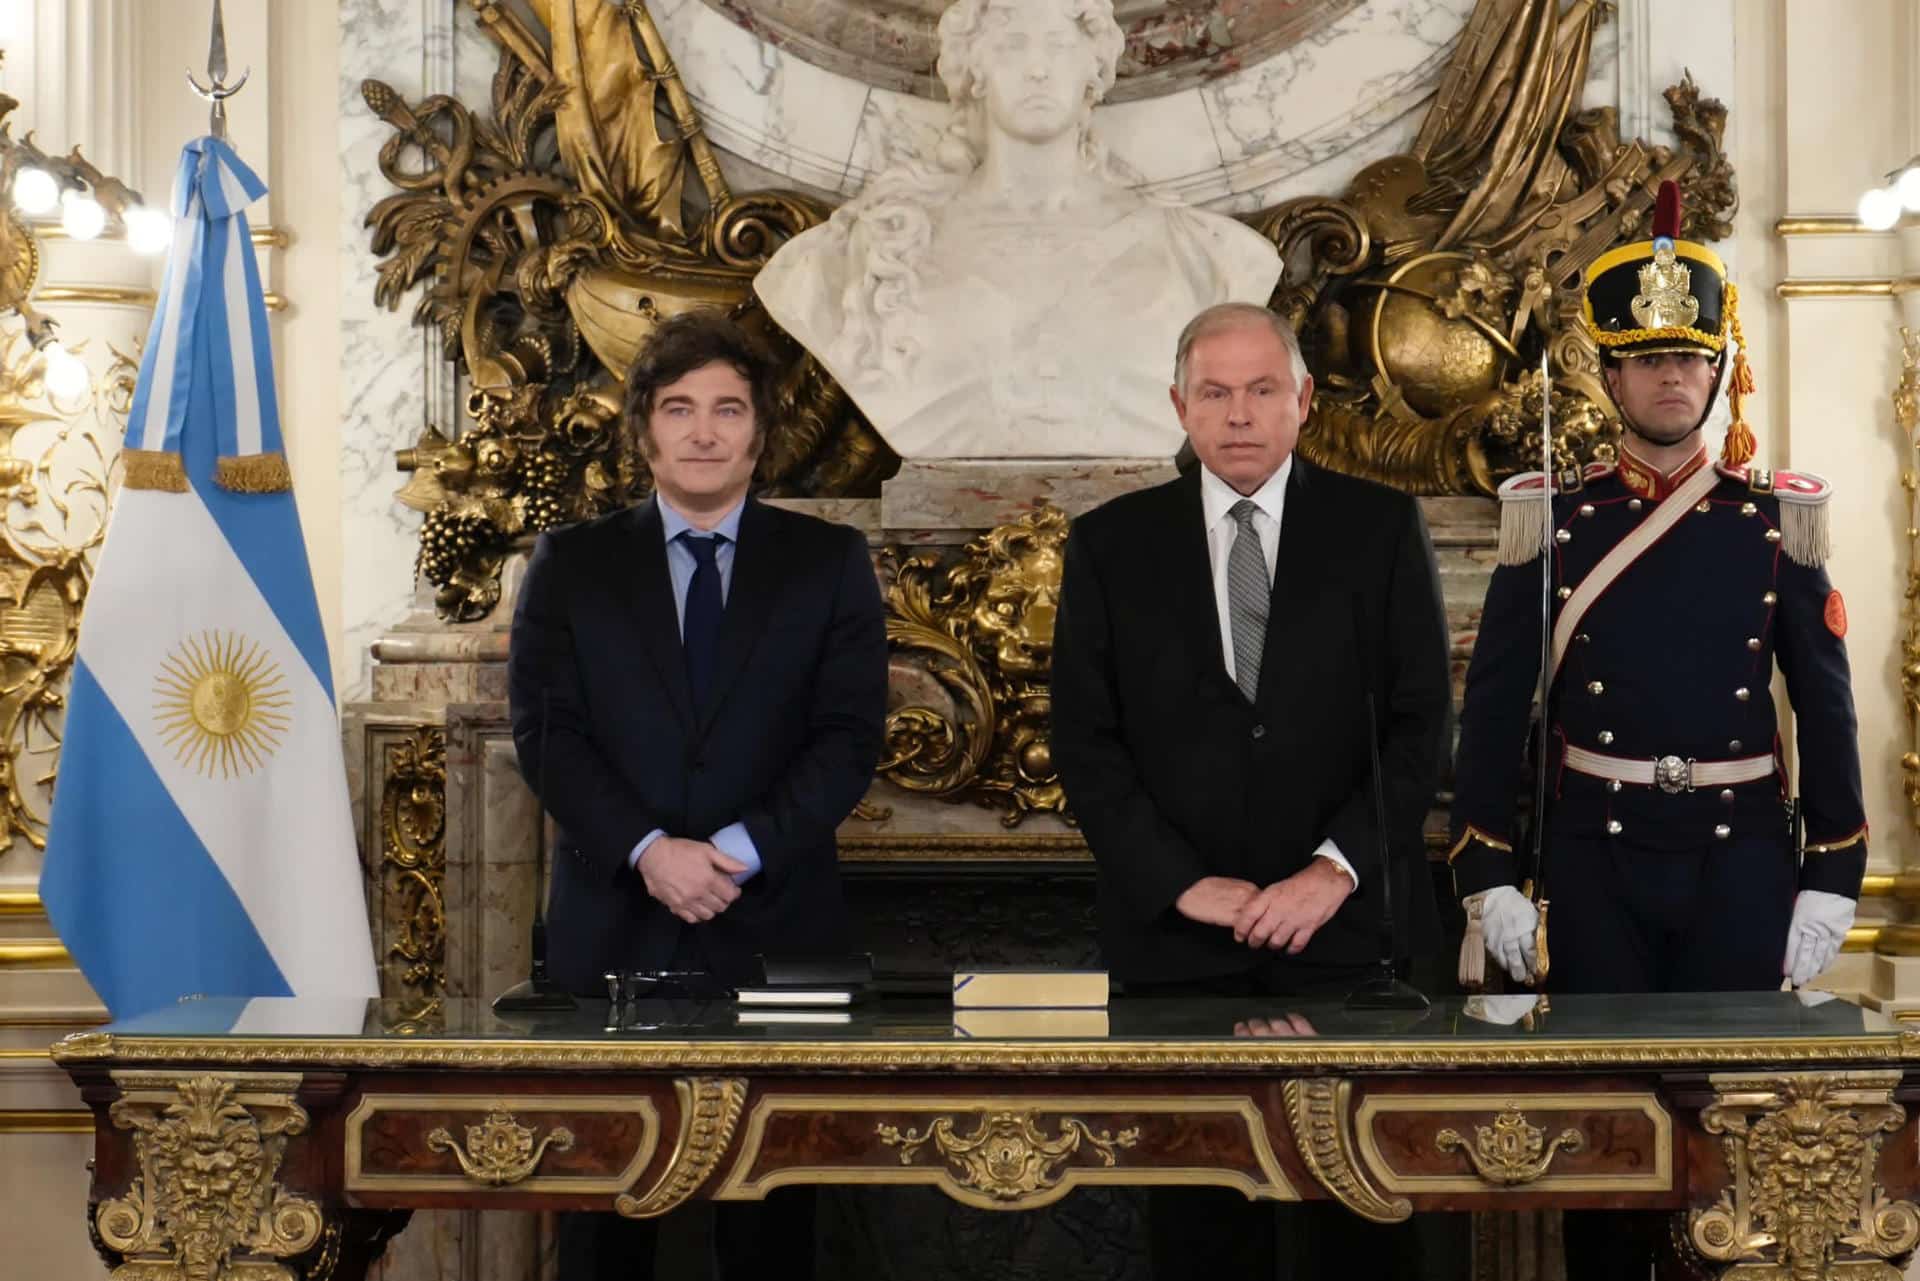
x=1192, y=570
x=757, y=560
x=1303, y=547
x=648, y=595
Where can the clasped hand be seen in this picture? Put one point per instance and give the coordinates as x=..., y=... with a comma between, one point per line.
x=692, y=878
x=1283, y=916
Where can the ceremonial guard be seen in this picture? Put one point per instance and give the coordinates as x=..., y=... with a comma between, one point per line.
x=1673, y=854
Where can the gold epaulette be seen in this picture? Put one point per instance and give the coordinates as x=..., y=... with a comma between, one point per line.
x=1523, y=510
x=1804, y=534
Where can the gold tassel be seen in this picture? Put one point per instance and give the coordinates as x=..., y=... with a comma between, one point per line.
x=154, y=469
x=1523, y=528
x=1473, y=947
x=253, y=473
x=1740, y=446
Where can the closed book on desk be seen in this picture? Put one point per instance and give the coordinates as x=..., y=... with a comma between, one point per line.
x=984, y=988
x=1041, y=1024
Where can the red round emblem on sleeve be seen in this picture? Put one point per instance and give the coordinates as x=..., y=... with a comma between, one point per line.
x=1836, y=614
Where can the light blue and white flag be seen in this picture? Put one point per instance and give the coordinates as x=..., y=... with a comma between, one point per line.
x=201, y=840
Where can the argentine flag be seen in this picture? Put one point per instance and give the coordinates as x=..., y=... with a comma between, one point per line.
x=201, y=841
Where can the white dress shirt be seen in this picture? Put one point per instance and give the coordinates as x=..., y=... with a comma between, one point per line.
x=1217, y=499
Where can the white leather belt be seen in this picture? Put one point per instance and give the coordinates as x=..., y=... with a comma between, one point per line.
x=1671, y=774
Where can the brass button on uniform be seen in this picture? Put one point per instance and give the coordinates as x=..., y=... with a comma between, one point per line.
x=1606, y=737
x=1726, y=795
x=1748, y=509
x=1563, y=537
x=1596, y=687
x=1634, y=504
x=1773, y=535
x=1753, y=643
x=1734, y=745
x=1770, y=598
x=1613, y=827
x=1259, y=732
x=1564, y=592
x=1704, y=507
x=1743, y=693
x=1721, y=831
x=1586, y=509
x=1613, y=785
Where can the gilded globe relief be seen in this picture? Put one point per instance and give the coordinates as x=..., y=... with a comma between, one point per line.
x=221, y=704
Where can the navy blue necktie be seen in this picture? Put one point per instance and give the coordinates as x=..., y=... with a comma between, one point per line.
x=700, y=621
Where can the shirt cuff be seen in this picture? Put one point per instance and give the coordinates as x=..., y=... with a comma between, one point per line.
x=633, y=859
x=736, y=843
x=1331, y=852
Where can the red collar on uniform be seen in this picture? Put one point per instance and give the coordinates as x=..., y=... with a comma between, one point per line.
x=1646, y=480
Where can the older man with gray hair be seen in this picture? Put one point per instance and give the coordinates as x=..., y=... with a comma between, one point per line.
x=1231, y=646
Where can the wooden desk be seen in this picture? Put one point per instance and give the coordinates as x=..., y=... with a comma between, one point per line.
x=289, y=1139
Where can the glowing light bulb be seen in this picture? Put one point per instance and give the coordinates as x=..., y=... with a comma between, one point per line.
x=66, y=375
x=82, y=215
x=1879, y=209
x=35, y=191
x=149, y=231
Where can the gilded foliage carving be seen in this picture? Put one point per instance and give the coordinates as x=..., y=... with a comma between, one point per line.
x=972, y=725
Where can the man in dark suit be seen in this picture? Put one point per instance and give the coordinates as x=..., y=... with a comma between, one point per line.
x=697, y=686
x=1217, y=641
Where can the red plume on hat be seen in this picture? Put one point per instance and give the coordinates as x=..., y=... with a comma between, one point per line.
x=1666, y=212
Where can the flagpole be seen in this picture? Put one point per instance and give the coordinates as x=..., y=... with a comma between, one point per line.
x=217, y=90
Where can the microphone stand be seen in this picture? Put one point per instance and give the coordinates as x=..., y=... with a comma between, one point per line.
x=538, y=993
x=1386, y=990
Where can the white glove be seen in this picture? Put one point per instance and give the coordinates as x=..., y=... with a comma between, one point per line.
x=1508, y=919
x=1820, y=923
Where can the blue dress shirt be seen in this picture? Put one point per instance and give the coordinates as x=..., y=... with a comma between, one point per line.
x=731, y=840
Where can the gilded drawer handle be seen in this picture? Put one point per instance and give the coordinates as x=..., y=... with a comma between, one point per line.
x=500, y=1150
x=1510, y=1151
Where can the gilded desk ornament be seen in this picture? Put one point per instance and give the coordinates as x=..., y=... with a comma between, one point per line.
x=710, y=1109
x=413, y=859
x=206, y=1204
x=1803, y=1150
x=499, y=1151
x=1320, y=1111
x=982, y=628
x=1512, y=1150
x=1006, y=1157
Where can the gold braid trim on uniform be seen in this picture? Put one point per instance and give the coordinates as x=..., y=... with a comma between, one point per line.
x=1834, y=847
x=253, y=473
x=1678, y=333
x=1475, y=834
x=154, y=469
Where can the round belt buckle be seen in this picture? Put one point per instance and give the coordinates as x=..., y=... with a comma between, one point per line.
x=1672, y=774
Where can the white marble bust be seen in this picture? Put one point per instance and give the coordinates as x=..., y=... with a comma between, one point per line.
x=1011, y=295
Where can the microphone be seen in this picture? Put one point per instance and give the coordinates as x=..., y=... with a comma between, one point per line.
x=538, y=993
x=1386, y=990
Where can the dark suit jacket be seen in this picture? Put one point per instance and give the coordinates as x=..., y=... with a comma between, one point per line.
x=786, y=744
x=1174, y=776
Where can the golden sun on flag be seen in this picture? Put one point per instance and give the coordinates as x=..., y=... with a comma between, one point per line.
x=221, y=704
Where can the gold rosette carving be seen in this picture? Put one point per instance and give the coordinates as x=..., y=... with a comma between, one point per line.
x=1803, y=1150
x=1512, y=1150
x=499, y=1151
x=1007, y=1157
x=207, y=1204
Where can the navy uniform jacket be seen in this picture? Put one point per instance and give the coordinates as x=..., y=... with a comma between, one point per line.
x=1675, y=658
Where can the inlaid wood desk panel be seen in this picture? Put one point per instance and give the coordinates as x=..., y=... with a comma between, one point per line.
x=286, y=1139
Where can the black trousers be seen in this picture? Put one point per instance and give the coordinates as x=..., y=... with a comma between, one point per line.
x=1216, y=1234
x=749, y=1240
x=1626, y=918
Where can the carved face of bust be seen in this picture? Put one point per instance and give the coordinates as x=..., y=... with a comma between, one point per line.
x=1036, y=69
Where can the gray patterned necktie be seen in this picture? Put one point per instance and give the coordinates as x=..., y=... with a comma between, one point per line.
x=1249, y=592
